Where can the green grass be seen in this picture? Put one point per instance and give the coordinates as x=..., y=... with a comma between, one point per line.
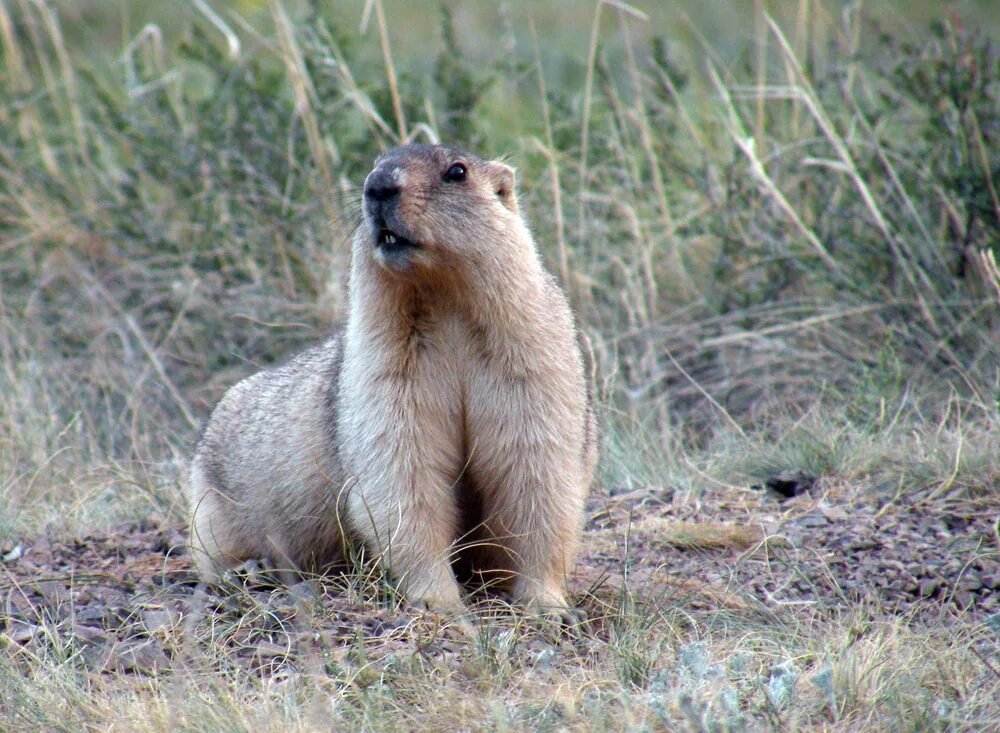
x=779, y=234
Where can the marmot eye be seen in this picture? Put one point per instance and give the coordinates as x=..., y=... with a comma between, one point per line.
x=455, y=174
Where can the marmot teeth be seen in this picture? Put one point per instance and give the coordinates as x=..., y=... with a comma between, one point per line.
x=388, y=238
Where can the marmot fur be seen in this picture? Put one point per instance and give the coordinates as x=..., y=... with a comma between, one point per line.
x=451, y=410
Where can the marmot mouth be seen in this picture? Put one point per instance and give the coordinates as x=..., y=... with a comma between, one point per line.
x=387, y=239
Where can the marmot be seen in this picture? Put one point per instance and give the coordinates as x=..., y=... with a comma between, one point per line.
x=451, y=410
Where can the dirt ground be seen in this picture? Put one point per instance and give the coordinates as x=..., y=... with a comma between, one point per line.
x=824, y=549
x=126, y=600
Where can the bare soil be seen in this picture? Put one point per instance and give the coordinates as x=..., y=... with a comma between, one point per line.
x=826, y=550
x=127, y=602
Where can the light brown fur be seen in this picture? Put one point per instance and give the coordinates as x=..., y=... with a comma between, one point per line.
x=452, y=407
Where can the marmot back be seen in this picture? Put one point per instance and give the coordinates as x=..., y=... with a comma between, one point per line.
x=451, y=410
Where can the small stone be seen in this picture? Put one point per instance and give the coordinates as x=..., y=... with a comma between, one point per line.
x=306, y=591
x=91, y=634
x=991, y=579
x=833, y=513
x=964, y=599
x=863, y=543
x=96, y=645
x=812, y=521
x=929, y=587
x=159, y=620
x=971, y=581
x=90, y=614
x=21, y=632
x=146, y=658
x=267, y=650
x=55, y=593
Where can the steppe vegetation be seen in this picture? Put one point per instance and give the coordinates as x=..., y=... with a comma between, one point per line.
x=782, y=249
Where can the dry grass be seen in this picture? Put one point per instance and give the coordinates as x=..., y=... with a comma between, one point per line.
x=705, y=535
x=650, y=666
x=785, y=260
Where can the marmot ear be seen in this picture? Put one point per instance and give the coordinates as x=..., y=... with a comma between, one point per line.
x=502, y=176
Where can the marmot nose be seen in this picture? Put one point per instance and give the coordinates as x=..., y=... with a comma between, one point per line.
x=381, y=185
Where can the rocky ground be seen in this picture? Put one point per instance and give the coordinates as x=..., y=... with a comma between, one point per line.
x=790, y=543
x=126, y=602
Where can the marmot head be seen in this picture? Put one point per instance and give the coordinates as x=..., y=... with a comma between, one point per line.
x=432, y=209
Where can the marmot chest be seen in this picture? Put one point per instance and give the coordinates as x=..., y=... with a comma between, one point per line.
x=462, y=367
